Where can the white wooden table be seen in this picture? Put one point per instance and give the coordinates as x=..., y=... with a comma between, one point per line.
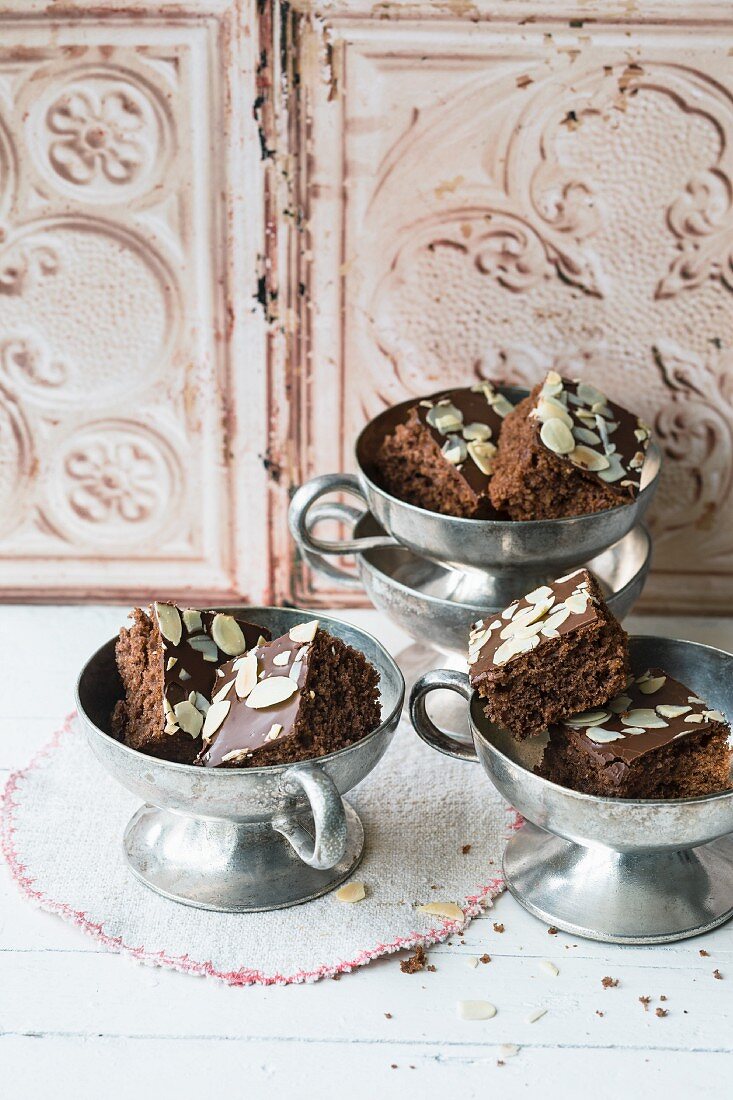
x=76, y=1021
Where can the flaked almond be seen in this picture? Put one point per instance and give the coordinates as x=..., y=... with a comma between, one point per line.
x=169, y=622
x=647, y=719
x=539, y=594
x=476, y=431
x=274, y=732
x=227, y=633
x=508, y=612
x=653, y=684
x=587, y=459
x=475, y=1010
x=188, y=718
x=589, y=394
x=513, y=647
x=216, y=714
x=668, y=710
x=206, y=646
x=246, y=675
x=549, y=967
x=536, y=1015
x=577, y=602
x=619, y=704
x=602, y=736
x=351, y=892
x=283, y=658
x=588, y=718
x=555, y=619
x=482, y=454
x=270, y=692
x=713, y=715
x=222, y=692
x=448, y=910
x=303, y=632
x=192, y=620
x=557, y=437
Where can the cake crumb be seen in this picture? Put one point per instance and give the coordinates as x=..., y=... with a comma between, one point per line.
x=485, y=958
x=599, y=1013
x=431, y=968
x=661, y=1012
x=552, y=931
x=718, y=975
x=646, y=1001
x=705, y=954
x=609, y=983
x=465, y=849
x=498, y=927
x=388, y=1015
x=662, y=997
x=415, y=962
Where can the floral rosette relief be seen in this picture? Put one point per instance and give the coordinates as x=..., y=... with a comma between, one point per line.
x=586, y=227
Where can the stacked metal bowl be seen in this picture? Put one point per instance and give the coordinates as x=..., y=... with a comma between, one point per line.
x=422, y=567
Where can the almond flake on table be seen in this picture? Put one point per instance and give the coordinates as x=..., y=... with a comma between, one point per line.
x=549, y=967
x=536, y=1015
x=475, y=1010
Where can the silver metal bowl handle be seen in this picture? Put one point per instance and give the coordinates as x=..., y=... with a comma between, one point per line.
x=329, y=844
x=301, y=523
x=439, y=679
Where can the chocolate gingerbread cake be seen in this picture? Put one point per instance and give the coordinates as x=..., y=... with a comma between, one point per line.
x=657, y=739
x=167, y=661
x=566, y=450
x=304, y=695
x=441, y=456
x=555, y=652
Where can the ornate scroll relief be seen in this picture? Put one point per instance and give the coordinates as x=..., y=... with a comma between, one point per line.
x=602, y=202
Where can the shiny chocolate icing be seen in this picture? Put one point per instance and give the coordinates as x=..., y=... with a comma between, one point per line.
x=541, y=615
x=245, y=727
x=631, y=725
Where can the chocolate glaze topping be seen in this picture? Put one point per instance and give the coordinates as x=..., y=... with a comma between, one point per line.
x=591, y=433
x=554, y=609
x=193, y=650
x=653, y=711
x=264, y=691
x=465, y=424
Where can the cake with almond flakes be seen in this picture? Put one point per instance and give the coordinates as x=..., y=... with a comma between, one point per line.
x=209, y=688
x=167, y=661
x=656, y=739
x=440, y=454
x=303, y=695
x=567, y=450
x=555, y=652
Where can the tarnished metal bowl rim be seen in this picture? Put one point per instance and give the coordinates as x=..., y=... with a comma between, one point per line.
x=233, y=774
x=438, y=601
x=581, y=796
x=653, y=457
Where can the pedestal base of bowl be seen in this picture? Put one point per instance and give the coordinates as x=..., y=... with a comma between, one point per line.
x=227, y=866
x=635, y=898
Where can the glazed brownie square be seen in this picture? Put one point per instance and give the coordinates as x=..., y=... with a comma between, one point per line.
x=566, y=450
x=440, y=457
x=303, y=695
x=167, y=662
x=655, y=740
x=556, y=651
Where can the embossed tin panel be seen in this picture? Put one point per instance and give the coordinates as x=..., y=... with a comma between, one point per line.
x=519, y=186
x=127, y=269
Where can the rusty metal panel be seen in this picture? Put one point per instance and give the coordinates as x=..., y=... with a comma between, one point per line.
x=504, y=187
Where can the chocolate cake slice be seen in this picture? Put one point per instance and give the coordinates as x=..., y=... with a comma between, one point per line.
x=655, y=740
x=441, y=456
x=304, y=695
x=556, y=651
x=566, y=450
x=167, y=661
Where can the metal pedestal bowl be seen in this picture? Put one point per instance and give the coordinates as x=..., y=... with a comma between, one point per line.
x=242, y=840
x=415, y=591
x=517, y=556
x=618, y=870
